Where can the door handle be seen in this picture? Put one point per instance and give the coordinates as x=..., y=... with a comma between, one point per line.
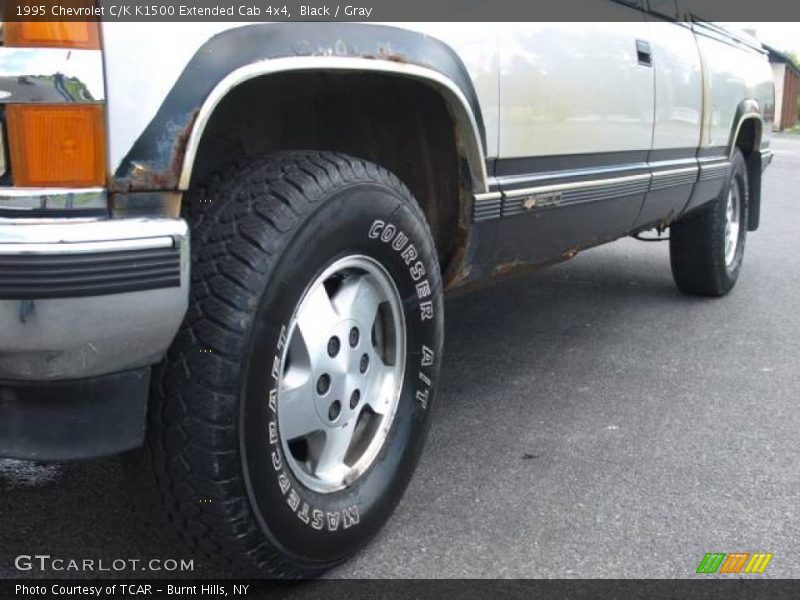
x=643, y=53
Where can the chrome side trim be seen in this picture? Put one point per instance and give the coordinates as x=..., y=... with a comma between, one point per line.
x=668, y=172
x=578, y=185
x=668, y=178
x=51, y=198
x=490, y=207
x=488, y=196
x=51, y=75
x=86, y=247
x=457, y=103
x=535, y=179
x=713, y=169
x=549, y=197
x=111, y=232
x=659, y=175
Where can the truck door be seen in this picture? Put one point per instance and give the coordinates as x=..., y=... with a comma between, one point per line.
x=576, y=127
x=679, y=115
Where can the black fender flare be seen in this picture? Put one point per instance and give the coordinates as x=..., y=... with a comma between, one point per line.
x=749, y=109
x=163, y=155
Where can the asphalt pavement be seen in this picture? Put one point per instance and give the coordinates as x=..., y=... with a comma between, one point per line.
x=591, y=422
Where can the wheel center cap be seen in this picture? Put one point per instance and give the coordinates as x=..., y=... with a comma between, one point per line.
x=341, y=373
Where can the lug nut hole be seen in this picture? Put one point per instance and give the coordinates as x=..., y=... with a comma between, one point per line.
x=323, y=384
x=333, y=346
x=355, y=397
x=354, y=337
x=364, y=363
x=334, y=410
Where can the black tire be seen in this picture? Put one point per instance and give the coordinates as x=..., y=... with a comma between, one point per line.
x=271, y=225
x=697, y=241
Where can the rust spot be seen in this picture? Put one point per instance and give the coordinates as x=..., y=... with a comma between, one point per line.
x=520, y=266
x=508, y=267
x=399, y=58
x=570, y=252
x=385, y=53
x=458, y=269
x=146, y=177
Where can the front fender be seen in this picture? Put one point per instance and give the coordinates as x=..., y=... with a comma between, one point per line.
x=163, y=155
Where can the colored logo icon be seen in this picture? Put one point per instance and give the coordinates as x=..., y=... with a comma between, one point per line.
x=735, y=562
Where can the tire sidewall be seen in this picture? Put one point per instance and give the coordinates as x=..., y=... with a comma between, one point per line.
x=378, y=221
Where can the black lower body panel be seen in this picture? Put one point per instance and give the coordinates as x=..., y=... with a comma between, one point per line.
x=547, y=235
x=65, y=420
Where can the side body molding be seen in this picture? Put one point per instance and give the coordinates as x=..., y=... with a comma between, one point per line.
x=162, y=158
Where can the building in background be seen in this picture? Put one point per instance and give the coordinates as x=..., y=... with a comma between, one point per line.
x=786, y=75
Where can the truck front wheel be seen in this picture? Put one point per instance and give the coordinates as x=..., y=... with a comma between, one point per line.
x=290, y=412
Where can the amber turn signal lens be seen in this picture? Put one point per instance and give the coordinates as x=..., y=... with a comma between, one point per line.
x=56, y=145
x=53, y=34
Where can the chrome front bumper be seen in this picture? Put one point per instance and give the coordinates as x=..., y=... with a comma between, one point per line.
x=81, y=298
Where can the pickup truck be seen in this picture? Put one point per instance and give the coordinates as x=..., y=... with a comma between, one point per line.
x=224, y=246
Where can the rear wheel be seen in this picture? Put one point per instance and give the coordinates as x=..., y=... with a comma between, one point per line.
x=291, y=411
x=707, y=246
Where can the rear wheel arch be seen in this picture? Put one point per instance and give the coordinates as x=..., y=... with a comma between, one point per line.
x=746, y=137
